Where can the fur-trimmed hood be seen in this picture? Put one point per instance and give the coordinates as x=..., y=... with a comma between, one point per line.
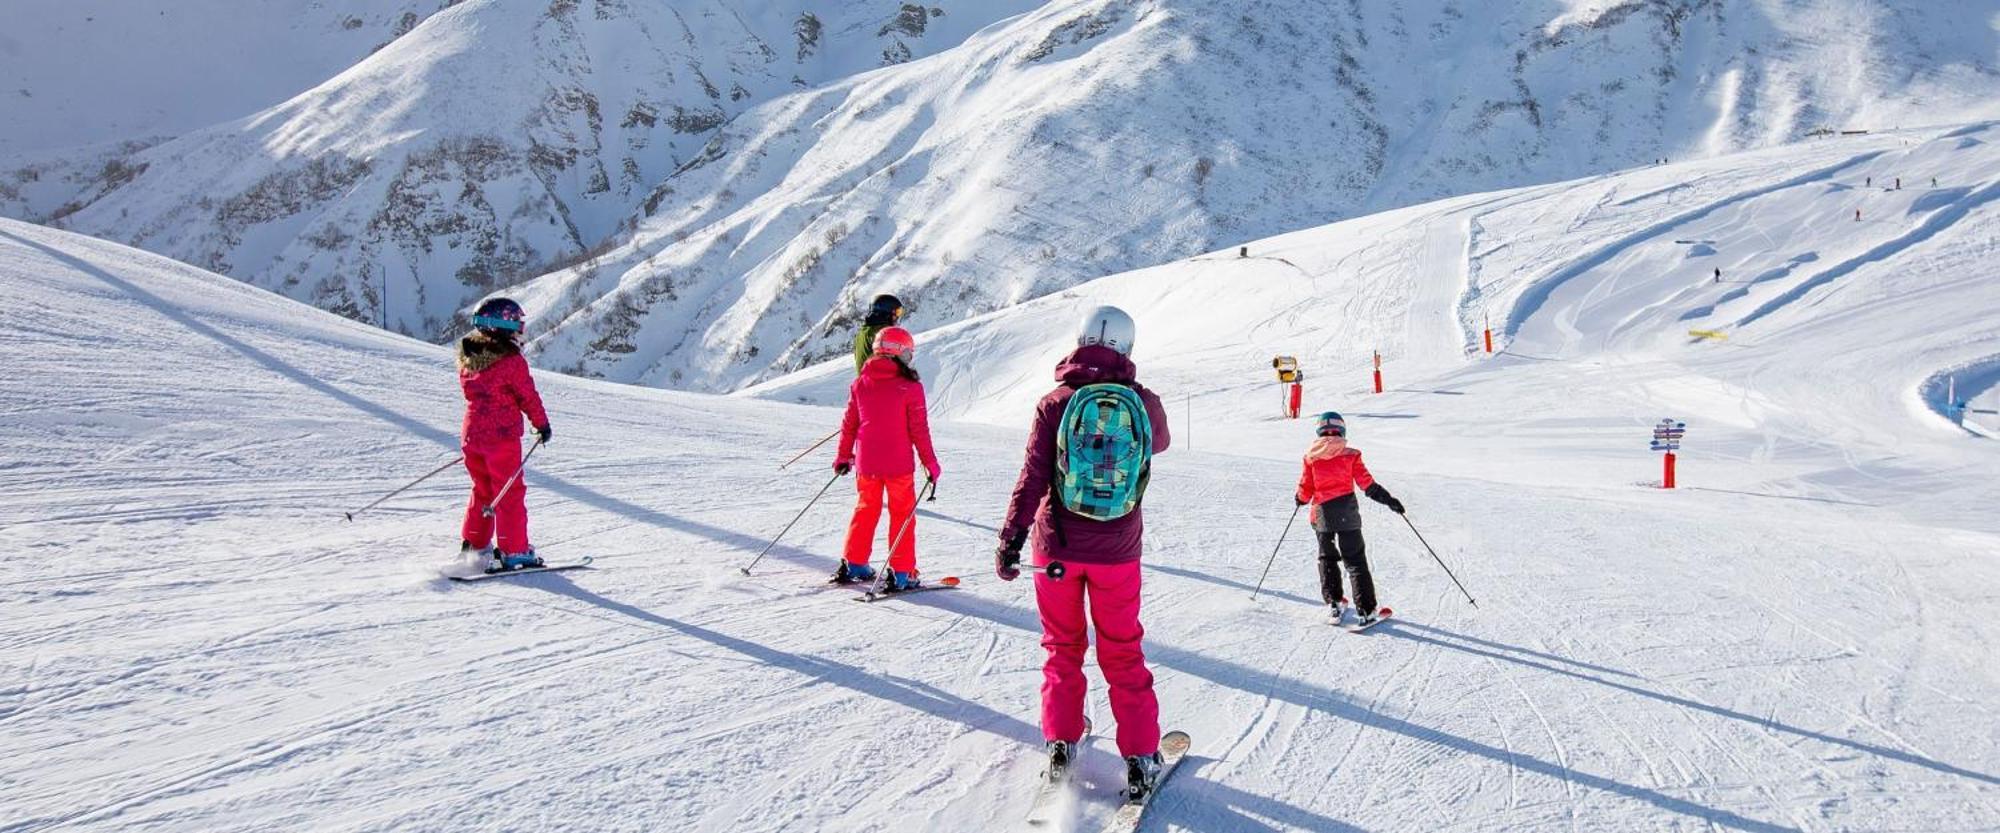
x=479, y=351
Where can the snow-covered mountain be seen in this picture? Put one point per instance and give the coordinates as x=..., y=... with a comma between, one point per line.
x=715, y=188
x=1801, y=638
x=1086, y=138
x=491, y=141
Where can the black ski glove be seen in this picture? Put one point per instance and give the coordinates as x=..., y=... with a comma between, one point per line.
x=1380, y=495
x=1007, y=557
x=841, y=469
x=1298, y=501
x=544, y=433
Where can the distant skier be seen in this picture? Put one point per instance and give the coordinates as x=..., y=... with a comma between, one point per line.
x=1088, y=458
x=1718, y=274
x=1332, y=471
x=498, y=391
x=886, y=417
x=882, y=314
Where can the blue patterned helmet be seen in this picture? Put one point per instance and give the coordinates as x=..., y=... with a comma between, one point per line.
x=500, y=314
x=1331, y=425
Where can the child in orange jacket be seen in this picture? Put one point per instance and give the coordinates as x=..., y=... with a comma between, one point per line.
x=1332, y=471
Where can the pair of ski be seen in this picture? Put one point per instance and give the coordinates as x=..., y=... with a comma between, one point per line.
x=877, y=590
x=1173, y=749
x=545, y=568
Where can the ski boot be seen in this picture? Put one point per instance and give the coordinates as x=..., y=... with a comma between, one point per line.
x=848, y=573
x=900, y=581
x=1340, y=609
x=1062, y=753
x=1142, y=773
x=1371, y=617
x=520, y=560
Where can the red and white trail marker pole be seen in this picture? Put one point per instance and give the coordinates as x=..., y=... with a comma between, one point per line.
x=1489, y=334
x=1667, y=437
x=1378, y=371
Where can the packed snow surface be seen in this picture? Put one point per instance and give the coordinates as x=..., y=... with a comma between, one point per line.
x=191, y=637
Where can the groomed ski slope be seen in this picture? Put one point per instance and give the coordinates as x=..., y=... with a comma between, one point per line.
x=192, y=639
x=1829, y=382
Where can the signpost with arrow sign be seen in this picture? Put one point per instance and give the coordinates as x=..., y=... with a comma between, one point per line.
x=1667, y=438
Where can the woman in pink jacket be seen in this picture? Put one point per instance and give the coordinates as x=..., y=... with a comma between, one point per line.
x=885, y=418
x=1332, y=470
x=498, y=391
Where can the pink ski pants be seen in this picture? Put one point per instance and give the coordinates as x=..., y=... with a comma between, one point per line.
x=490, y=466
x=1112, y=591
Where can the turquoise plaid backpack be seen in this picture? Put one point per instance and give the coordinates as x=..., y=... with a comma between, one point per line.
x=1104, y=452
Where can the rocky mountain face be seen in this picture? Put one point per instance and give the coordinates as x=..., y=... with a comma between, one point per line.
x=702, y=194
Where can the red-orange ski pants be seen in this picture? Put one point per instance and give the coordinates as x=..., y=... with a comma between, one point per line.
x=901, y=492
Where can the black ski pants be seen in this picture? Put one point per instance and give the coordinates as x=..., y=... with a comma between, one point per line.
x=1345, y=547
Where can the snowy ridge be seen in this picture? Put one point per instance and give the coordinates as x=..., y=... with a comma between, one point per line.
x=191, y=638
x=102, y=72
x=713, y=191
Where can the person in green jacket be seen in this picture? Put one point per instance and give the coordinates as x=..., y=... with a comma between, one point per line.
x=883, y=314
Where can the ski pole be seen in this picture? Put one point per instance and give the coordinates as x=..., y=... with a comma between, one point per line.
x=1440, y=561
x=434, y=472
x=815, y=447
x=788, y=527
x=488, y=511
x=882, y=576
x=1274, y=552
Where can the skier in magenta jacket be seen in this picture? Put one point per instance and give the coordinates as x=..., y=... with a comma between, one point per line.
x=498, y=391
x=1100, y=561
x=885, y=418
x=1332, y=470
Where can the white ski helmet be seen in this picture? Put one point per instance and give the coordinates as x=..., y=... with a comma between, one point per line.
x=1109, y=326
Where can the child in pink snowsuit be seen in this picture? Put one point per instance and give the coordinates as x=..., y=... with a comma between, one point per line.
x=498, y=391
x=886, y=417
x=1101, y=561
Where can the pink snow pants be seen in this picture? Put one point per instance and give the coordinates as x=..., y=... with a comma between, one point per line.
x=490, y=466
x=1113, y=594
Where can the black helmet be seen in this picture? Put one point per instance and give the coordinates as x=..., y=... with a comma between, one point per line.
x=499, y=314
x=886, y=306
